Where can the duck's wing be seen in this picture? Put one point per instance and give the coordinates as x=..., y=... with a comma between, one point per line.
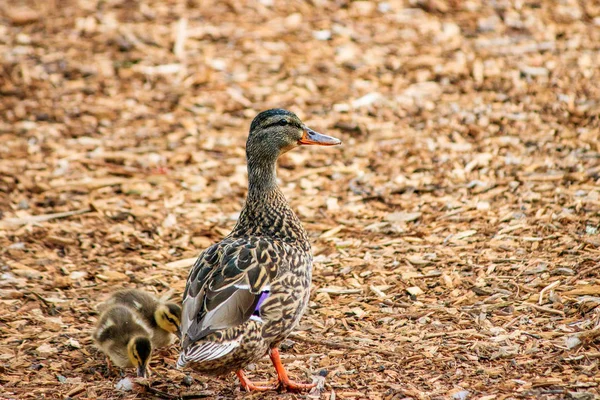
x=224, y=287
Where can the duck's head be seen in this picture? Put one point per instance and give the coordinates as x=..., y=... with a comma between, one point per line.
x=139, y=351
x=274, y=132
x=168, y=317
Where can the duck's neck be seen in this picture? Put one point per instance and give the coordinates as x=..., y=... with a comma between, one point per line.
x=262, y=176
x=267, y=212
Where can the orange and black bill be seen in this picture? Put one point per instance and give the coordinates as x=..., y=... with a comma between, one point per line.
x=311, y=137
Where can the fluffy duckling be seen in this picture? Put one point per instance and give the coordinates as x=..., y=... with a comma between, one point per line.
x=124, y=338
x=161, y=316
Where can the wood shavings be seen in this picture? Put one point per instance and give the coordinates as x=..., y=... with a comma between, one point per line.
x=455, y=232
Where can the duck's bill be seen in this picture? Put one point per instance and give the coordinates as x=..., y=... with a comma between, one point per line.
x=311, y=137
x=141, y=372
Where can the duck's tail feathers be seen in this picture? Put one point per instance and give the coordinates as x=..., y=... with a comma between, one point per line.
x=205, y=351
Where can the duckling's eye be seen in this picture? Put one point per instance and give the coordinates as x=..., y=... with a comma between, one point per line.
x=283, y=122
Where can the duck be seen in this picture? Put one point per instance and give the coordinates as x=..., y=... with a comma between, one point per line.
x=161, y=316
x=125, y=338
x=245, y=294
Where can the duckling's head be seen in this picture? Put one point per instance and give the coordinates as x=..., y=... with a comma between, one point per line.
x=139, y=351
x=168, y=317
x=274, y=132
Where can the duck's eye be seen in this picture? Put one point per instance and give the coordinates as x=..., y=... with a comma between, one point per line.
x=283, y=122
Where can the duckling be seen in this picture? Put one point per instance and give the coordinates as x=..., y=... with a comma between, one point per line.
x=161, y=316
x=124, y=338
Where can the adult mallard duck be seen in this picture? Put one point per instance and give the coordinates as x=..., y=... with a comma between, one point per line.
x=245, y=294
x=161, y=316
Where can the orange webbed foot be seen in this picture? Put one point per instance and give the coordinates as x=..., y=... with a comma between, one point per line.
x=249, y=386
x=285, y=383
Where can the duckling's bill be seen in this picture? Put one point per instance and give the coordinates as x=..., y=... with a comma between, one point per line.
x=142, y=371
x=311, y=137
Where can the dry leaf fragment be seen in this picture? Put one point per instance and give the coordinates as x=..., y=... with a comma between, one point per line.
x=584, y=290
x=332, y=204
x=62, y=282
x=26, y=272
x=60, y=240
x=447, y=281
x=77, y=275
x=402, y=216
x=170, y=221
x=185, y=263
x=46, y=350
x=331, y=232
x=202, y=242
x=464, y=234
x=359, y=312
x=338, y=290
x=112, y=276
x=414, y=290
x=21, y=15
x=416, y=260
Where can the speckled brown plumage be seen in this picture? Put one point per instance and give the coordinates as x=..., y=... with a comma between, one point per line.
x=245, y=294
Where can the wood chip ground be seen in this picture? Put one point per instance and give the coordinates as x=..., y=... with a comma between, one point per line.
x=455, y=232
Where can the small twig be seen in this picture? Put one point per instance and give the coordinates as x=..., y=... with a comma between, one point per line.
x=180, y=38
x=114, y=168
x=545, y=309
x=34, y=219
x=506, y=260
x=471, y=332
x=533, y=335
x=43, y=300
x=192, y=396
x=337, y=345
x=158, y=393
x=583, y=272
x=550, y=286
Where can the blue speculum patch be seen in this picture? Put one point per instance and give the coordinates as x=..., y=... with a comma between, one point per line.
x=262, y=298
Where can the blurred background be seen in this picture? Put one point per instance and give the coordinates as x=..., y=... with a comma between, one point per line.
x=454, y=232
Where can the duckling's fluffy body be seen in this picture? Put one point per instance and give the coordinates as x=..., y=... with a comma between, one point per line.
x=161, y=317
x=117, y=327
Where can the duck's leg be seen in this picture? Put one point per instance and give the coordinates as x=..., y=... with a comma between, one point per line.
x=248, y=386
x=284, y=380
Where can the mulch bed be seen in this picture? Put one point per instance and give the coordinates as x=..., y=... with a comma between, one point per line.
x=455, y=232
